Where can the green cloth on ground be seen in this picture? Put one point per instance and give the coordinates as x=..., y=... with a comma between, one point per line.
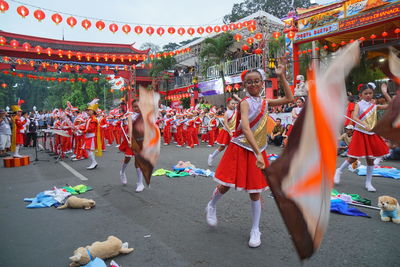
x=160, y=172
x=354, y=197
x=78, y=189
x=177, y=174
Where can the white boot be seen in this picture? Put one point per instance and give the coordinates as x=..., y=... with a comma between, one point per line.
x=255, y=238
x=93, y=165
x=139, y=185
x=16, y=153
x=336, y=179
x=210, y=160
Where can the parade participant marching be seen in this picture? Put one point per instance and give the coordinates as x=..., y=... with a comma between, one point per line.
x=296, y=111
x=224, y=136
x=92, y=134
x=364, y=143
x=167, y=128
x=79, y=139
x=212, y=129
x=17, y=131
x=241, y=164
x=130, y=118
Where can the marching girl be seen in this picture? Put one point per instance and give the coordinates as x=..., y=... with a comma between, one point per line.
x=245, y=156
x=224, y=136
x=126, y=147
x=296, y=111
x=212, y=129
x=364, y=143
x=92, y=131
x=167, y=128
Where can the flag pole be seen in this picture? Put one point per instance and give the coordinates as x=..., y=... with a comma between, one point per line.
x=356, y=122
x=364, y=206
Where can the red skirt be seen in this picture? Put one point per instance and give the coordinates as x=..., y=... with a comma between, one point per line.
x=367, y=146
x=90, y=143
x=238, y=169
x=19, y=139
x=124, y=147
x=223, y=138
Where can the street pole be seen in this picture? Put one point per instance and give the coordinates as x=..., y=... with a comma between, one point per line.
x=104, y=100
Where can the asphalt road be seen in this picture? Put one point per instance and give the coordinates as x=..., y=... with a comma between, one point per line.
x=165, y=224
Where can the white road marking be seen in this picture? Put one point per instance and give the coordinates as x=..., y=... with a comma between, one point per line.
x=41, y=147
x=73, y=171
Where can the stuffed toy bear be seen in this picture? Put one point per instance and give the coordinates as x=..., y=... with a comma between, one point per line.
x=103, y=250
x=390, y=209
x=74, y=202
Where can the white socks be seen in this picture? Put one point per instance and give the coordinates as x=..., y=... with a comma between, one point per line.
x=255, y=214
x=215, y=197
x=123, y=168
x=139, y=176
x=344, y=165
x=216, y=152
x=368, y=179
x=92, y=158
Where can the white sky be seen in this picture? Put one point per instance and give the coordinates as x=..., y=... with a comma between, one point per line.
x=159, y=12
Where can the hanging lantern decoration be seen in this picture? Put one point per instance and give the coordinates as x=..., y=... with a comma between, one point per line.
x=69, y=54
x=19, y=61
x=152, y=56
x=237, y=86
x=3, y=40
x=32, y=63
x=56, y=18
x=129, y=58
x=171, y=30
x=79, y=55
x=165, y=54
x=3, y=6
x=276, y=35
x=14, y=43
x=6, y=59
x=158, y=55
x=149, y=30
x=113, y=58
x=200, y=30
x=26, y=46
x=105, y=56
x=190, y=31
x=397, y=31
x=217, y=29
x=250, y=40
x=342, y=43
x=317, y=49
x=225, y=28
x=258, y=51
x=49, y=51
x=384, y=35
x=60, y=53
x=351, y=41
x=209, y=29
x=138, y=29
x=113, y=27
x=71, y=21
x=55, y=66
x=251, y=28
x=362, y=39
x=38, y=49
x=333, y=45
x=88, y=68
x=373, y=37
x=181, y=31
x=86, y=24
x=122, y=58
x=239, y=25
x=237, y=37
x=291, y=35
x=126, y=29
x=100, y=25
x=20, y=75
x=66, y=67
x=88, y=56
x=258, y=36
x=4, y=85
x=107, y=68
x=39, y=15
x=160, y=31
x=245, y=48
x=171, y=54
x=22, y=11
x=228, y=88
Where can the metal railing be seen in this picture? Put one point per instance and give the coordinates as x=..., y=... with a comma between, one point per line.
x=235, y=66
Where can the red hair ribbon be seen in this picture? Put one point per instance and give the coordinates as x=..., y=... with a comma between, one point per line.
x=359, y=87
x=243, y=74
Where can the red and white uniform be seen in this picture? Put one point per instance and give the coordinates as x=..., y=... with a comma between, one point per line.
x=212, y=131
x=237, y=167
x=90, y=133
x=365, y=144
x=20, y=130
x=125, y=147
x=167, y=130
x=223, y=137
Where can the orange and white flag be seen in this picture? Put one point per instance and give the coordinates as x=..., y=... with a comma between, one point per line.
x=301, y=179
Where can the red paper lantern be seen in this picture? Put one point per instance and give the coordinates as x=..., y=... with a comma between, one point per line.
x=373, y=36
x=160, y=31
x=200, y=30
x=126, y=29
x=237, y=86
x=71, y=21
x=232, y=26
x=384, y=35
x=39, y=15
x=113, y=27
x=239, y=25
x=20, y=75
x=49, y=51
x=190, y=31
x=100, y=25
x=152, y=56
x=138, y=29
x=333, y=45
x=3, y=40
x=56, y=18
x=6, y=59
x=309, y=51
x=217, y=28
x=86, y=24
x=258, y=51
x=342, y=43
x=149, y=30
x=14, y=43
x=171, y=30
x=299, y=53
x=165, y=54
x=32, y=63
x=276, y=35
x=69, y=54
x=317, y=49
x=22, y=11
x=362, y=39
x=3, y=6
x=258, y=36
x=351, y=41
x=60, y=53
x=209, y=29
x=304, y=51
x=291, y=35
x=88, y=56
x=55, y=66
x=171, y=54
x=250, y=40
x=252, y=28
x=181, y=31
x=4, y=85
x=225, y=28
x=245, y=23
x=245, y=47
x=97, y=57
x=237, y=37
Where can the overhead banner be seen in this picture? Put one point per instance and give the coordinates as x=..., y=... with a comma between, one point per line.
x=320, y=31
x=355, y=7
x=321, y=19
x=371, y=17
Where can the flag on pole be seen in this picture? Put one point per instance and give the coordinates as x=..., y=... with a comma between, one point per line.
x=302, y=178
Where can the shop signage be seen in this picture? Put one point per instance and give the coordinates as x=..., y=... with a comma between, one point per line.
x=317, y=32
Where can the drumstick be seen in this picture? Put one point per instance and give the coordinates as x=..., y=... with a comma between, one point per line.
x=356, y=122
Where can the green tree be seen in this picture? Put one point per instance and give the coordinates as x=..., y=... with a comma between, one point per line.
x=278, y=8
x=170, y=46
x=216, y=50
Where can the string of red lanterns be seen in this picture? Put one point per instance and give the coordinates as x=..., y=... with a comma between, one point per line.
x=177, y=97
x=114, y=26
x=50, y=79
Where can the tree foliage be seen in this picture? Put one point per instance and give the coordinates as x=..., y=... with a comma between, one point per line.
x=170, y=46
x=278, y=8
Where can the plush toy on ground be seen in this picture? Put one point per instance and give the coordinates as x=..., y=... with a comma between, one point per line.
x=74, y=202
x=390, y=209
x=103, y=250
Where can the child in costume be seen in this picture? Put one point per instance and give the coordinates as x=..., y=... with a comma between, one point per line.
x=92, y=131
x=245, y=156
x=364, y=143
